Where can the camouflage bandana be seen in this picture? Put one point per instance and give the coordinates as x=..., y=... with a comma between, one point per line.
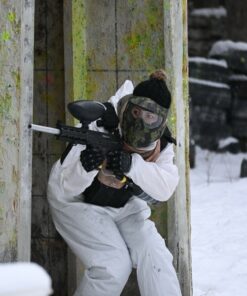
x=142, y=120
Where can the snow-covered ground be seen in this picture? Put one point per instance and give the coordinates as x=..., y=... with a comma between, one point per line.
x=219, y=225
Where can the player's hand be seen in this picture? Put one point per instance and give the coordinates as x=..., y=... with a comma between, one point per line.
x=119, y=162
x=91, y=158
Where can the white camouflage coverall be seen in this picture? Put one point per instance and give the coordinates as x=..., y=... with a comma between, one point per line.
x=111, y=241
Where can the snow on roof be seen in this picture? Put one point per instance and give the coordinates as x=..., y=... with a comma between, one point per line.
x=209, y=83
x=222, y=47
x=221, y=63
x=208, y=12
x=238, y=77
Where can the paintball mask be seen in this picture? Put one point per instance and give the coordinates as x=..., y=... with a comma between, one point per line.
x=142, y=121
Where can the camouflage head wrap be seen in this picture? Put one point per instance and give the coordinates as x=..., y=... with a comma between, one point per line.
x=135, y=131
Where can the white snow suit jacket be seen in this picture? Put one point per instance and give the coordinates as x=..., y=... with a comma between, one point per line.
x=151, y=181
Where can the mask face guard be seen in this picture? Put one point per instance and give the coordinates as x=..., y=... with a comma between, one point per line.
x=142, y=120
x=150, y=120
x=149, y=105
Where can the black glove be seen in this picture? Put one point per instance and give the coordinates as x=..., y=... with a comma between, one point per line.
x=91, y=158
x=109, y=119
x=119, y=162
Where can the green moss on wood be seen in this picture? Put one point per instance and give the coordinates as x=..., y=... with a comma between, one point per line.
x=17, y=79
x=144, y=43
x=12, y=245
x=2, y=190
x=91, y=86
x=5, y=104
x=5, y=36
x=186, y=104
x=166, y=5
x=131, y=2
x=172, y=120
x=79, y=49
x=12, y=16
x=159, y=215
x=15, y=22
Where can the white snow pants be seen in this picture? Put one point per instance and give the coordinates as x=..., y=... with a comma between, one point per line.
x=110, y=241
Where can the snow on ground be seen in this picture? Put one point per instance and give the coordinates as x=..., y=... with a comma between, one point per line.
x=219, y=225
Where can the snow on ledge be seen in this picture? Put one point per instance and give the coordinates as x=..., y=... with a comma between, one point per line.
x=24, y=279
x=208, y=83
x=238, y=77
x=221, y=63
x=225, y=142
x=222, y=47
x=208, y=12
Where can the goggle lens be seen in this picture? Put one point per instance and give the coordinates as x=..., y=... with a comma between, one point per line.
x=150, y=119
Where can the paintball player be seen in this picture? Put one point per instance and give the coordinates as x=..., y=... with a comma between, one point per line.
x=100, y=203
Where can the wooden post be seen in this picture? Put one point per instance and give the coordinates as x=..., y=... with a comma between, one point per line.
x=74, y=51
x=16, y=94
x=26, y=111
x=175, y=32
x=75, y=73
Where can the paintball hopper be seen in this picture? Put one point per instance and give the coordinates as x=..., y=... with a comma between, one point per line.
x=86, y=111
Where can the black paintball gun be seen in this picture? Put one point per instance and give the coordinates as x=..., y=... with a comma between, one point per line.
x=86, y=112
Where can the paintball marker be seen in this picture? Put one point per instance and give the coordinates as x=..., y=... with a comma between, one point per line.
x=86, y=112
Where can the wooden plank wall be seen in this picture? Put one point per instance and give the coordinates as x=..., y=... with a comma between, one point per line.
x=179, y=228
x=127, y=40
x=48, y=249
x=124, y=40
x=117, y=35
x=10, y=96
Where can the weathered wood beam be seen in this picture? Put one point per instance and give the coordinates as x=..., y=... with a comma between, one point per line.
x=75, y=89
x=175, y=32
x=74, y=51
x=26, y=112
x=16, y=93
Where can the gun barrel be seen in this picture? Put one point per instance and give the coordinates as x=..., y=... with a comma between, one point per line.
x=44, y=129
